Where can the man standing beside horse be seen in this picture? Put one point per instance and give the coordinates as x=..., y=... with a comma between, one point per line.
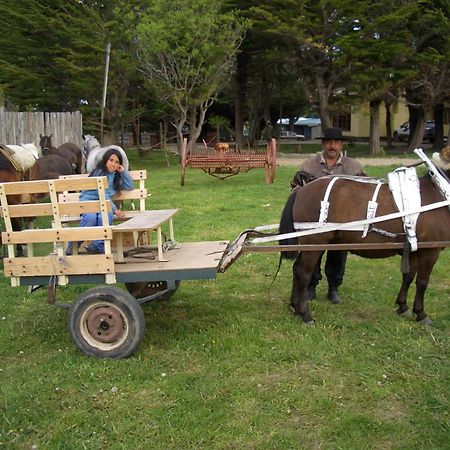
x=330, y=161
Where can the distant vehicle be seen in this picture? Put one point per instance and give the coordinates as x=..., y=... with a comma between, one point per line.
x=402, y=133
x=292, y=135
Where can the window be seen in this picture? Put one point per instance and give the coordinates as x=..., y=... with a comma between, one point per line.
x=342, y=120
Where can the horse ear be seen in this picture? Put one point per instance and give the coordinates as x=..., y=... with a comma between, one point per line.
x=51, y=136
x=40, y=135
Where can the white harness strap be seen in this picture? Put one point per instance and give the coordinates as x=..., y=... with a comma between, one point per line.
x=372, y=206
x=404, y=185
x=441, y=183
x=325, y=204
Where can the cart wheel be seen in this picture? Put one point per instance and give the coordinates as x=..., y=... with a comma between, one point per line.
x=147, y=288
x=106, y=322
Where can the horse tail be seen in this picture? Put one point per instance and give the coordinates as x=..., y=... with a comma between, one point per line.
x=287, y=226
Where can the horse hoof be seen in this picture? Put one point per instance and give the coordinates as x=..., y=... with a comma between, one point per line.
x=310, y=323
x=407, y=313
x=425, y=321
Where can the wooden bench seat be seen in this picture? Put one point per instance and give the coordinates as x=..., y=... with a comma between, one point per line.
x=57, y=265
x=140, y=194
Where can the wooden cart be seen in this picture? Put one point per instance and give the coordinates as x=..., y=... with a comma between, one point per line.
x=222, y=161
x=140, y=252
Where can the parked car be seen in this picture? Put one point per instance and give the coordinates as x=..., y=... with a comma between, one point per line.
x=402, y=133
x=291, y=135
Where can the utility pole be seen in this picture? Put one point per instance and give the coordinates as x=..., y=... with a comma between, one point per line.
x=105, y=87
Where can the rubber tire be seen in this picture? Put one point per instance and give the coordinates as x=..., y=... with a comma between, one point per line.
x=143, y=289
x=119, y=308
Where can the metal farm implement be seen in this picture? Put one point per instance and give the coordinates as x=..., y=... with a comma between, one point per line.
x=222, y=161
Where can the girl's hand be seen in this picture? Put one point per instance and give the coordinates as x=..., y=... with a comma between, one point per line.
x=120, y=169
x=120, y=214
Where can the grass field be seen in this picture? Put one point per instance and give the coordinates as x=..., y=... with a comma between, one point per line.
x=224, y=363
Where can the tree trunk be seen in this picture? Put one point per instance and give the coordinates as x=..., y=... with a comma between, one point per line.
x=416, y=128
x=388, y=124
x=374, y=138
x=241, y=79
x=135, y=130
x=324, y=111
x=438, y=127
x=238, y=122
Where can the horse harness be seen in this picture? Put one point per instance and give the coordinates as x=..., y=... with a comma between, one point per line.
x=404, y=185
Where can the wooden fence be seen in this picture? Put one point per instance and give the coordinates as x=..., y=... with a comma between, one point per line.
x=25, y=127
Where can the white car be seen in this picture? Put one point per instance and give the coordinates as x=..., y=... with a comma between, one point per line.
x=292, y=135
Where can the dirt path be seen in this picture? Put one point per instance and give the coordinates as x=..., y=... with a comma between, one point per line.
x=289, y=159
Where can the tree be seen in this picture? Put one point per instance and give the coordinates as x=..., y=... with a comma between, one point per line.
x=187, y=49
x=308, y=31
x=376, y=51
x=428, y=87
x=53, y=59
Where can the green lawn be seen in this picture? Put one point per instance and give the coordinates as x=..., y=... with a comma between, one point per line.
x=224, y=363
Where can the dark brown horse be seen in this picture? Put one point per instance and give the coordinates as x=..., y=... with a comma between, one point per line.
x=9, y=173
x=51, y=167
x=68, y=150
x=348, y=202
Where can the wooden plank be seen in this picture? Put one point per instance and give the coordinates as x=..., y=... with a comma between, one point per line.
x=41, y=186
x=45, y=209
x=57, y=265
x=186, y=256
x=135, y=175
x=56, y=235
x=76, y=208
x=76, y=218
x=146, y=220
x=134, y=194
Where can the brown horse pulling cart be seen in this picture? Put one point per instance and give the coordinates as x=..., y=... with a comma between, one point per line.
x=222, y=161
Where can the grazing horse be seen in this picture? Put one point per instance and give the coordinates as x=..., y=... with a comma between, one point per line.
x=94, y=153
x=348, y=202
x=68, y=150
x=8, y=172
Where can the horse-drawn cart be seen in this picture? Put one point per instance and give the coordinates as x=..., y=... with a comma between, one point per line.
x=108, y=321
x=105, y=320
x=222, y=161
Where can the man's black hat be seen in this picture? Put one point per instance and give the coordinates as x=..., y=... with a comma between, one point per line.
x=333, y=134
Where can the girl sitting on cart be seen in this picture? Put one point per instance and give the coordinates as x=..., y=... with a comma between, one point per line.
x=118, y=180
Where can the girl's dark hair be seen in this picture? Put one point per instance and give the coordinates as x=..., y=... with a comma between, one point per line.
x=101, y=168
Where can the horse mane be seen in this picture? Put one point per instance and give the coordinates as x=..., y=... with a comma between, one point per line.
x=90, y=142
